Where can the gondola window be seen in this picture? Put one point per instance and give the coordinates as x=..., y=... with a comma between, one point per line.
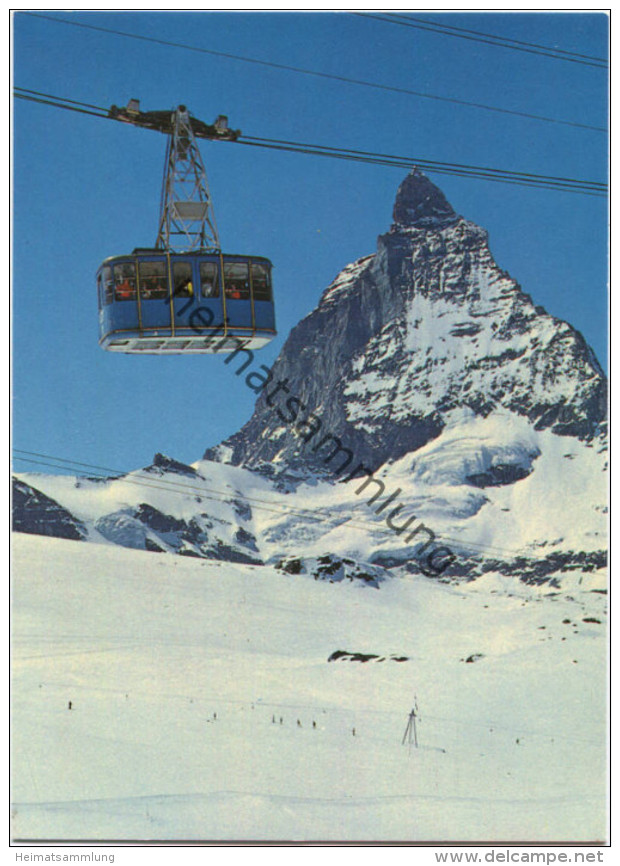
x=182, y=276
x=208, y=280
x=261, y=283
x=125, y=282
x=236, y=280
x=153, y=281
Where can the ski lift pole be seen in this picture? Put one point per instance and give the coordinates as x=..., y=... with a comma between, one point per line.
x=411, y=733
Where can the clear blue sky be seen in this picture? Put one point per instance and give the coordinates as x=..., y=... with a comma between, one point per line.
x=87, y=188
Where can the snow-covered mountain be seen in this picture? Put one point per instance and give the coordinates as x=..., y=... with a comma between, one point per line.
x=403, y=337
x=426, y=416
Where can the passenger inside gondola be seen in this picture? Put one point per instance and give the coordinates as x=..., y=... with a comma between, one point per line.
x=185, y=289
x=152, y=288
x=209, y=286
x=182, y=276
x=125, y=279
x=236, y=280
x=153, y=280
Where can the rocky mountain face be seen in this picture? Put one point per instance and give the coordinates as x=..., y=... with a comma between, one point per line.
x=38, y=514
x=401, y=338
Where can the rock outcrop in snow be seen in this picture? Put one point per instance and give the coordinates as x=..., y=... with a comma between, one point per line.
x=38, y=514
x=333, y=569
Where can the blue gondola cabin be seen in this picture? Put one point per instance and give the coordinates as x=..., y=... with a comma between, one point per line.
x=152, y=302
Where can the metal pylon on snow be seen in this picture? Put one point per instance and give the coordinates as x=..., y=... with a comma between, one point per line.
x=411, y=734
x=187, y=221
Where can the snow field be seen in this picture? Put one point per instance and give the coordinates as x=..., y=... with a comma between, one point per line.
x=148, y=647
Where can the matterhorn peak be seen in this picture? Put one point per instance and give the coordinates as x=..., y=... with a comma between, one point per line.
x=403, y=338
x=421, y=204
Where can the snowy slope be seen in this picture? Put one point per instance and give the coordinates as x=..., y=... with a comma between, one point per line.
x=165, y=507
x=549, y=499
x=497, y=492
x=179, y=671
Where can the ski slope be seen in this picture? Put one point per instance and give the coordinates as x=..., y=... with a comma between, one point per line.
x=203, y=705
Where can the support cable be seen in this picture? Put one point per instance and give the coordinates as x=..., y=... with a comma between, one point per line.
x=527, y=179
x=317, y=73
x=498, y=41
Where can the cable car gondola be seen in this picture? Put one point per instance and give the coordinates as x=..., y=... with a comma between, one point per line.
x=161, y=303
x=195, y=300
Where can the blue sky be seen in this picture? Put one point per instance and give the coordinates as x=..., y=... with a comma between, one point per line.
x=86, y=188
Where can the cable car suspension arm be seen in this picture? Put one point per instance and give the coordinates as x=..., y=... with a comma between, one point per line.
x=164, y=121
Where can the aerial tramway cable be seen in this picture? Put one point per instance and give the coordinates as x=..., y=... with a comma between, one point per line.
x=527, y=179
x=320, y=74
x=486, y=38
x=507, y=39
